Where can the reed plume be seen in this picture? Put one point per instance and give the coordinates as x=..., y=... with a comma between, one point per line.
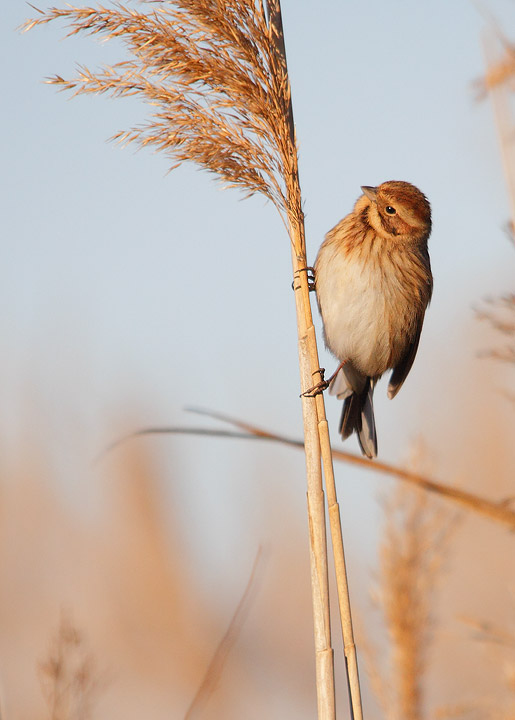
x=410, y=557
x=212, y=75
x=409, y=560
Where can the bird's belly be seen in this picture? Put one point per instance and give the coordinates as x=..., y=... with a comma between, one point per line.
x=364, y=322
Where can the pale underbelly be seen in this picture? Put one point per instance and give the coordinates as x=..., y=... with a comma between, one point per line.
x=367, y=328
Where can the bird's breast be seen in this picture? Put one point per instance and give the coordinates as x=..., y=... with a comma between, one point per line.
x=365, y=305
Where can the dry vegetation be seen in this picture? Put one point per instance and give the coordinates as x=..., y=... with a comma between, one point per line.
x=147, y=622
x=413, y=545
x=68, y=675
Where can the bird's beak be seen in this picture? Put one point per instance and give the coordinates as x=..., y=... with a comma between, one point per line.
x=370, y=192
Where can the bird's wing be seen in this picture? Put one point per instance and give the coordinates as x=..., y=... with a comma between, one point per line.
x=401, y=370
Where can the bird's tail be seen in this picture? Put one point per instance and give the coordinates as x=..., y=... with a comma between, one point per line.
x=358, y=417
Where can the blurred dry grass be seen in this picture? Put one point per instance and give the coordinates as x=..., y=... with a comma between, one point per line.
x=149, y=628
x=126, y=581
x=68, y=676
x=415, y=534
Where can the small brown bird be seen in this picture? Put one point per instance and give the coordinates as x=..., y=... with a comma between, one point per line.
x=373, y=283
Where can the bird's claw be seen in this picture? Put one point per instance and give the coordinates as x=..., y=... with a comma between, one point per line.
x=310, y=272
x=319, y=388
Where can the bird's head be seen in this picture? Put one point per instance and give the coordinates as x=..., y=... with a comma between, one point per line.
x=398, y=210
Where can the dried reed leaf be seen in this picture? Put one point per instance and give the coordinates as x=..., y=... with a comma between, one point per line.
x=498, y=511
x=215, y=668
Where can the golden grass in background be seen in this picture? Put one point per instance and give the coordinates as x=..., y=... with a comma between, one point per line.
x=125, y=584
x=124, y=579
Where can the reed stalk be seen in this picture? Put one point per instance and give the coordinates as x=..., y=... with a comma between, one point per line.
x=316, y=439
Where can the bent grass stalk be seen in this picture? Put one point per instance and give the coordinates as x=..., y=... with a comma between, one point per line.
x=216, y=77
x=500, y=511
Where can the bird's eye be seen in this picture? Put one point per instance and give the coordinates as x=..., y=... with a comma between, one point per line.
x=390, y=210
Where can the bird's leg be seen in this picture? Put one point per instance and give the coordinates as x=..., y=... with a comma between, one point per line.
x=310, y=272
x=323, y=384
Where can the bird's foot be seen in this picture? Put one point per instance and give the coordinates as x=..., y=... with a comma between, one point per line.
x=323, y=384
x=310, y=272
x=319, y=387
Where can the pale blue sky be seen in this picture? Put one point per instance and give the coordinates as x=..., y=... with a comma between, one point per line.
x=128, y=293
x=124, y=287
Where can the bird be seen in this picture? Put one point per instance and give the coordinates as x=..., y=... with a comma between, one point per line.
x=373, y=283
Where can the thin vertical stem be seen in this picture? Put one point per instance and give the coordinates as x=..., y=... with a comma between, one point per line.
x=504, y=125
x=321, y=445
x=316, y=515
x=324, y=656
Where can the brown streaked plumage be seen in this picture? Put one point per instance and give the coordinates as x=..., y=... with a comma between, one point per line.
x=373, y=283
